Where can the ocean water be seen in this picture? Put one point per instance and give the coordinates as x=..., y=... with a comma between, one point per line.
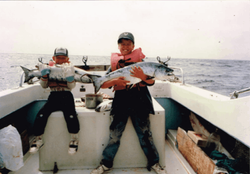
x=220, y=76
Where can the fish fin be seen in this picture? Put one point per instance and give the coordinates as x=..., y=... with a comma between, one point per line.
x=132, y=86
x=150, y=77
x=26, y=73
x=96, y=79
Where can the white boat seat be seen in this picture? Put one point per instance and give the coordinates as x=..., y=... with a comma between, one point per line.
x=93, y=138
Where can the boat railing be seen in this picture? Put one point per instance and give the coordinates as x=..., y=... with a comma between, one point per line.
x=182, y=73
x=21, y=80
x=235, y=94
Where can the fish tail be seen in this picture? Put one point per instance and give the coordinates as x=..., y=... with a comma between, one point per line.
x=98, y=108
x=85, y=79
x=26, y=73
x=97, y=81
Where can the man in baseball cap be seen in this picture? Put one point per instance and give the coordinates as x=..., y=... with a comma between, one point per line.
x=126, y=35
x=128, y=103
x=61, y=51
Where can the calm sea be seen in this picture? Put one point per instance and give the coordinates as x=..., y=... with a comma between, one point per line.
x=220, y=76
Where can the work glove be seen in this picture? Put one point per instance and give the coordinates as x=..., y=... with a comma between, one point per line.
x=69, y=72
x=44, y=69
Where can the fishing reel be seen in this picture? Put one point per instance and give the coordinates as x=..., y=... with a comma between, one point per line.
x=161, y=62
x=40, y=59
x=84, y=60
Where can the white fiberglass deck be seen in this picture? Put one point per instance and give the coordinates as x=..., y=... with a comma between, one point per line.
x=174, y=165
x=174, y=162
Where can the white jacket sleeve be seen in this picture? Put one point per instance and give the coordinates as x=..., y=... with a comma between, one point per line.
x=71, y=85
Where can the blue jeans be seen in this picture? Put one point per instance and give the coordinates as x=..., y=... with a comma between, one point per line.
x=141, y=124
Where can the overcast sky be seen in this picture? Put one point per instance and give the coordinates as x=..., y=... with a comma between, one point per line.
x=180, y=29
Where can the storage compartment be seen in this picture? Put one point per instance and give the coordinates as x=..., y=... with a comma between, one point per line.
x=198, y=138
x=195, y=156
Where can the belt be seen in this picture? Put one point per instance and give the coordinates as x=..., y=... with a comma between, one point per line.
x=127, y=87
x=59, y=89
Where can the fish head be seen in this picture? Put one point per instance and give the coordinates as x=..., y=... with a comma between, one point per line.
x=162, y=72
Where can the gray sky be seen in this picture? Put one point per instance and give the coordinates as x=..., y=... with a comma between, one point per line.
x=180, y=29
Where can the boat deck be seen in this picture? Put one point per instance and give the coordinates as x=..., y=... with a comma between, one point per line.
x=175, y=163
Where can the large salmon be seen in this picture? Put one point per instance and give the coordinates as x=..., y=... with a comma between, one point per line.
x=155, y=71
x=57, y=74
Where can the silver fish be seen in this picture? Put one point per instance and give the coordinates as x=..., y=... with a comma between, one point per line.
x=56, y=74
x=104, y=106
x=154, y=70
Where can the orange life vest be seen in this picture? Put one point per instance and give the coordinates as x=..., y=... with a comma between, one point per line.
x=119, y=61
